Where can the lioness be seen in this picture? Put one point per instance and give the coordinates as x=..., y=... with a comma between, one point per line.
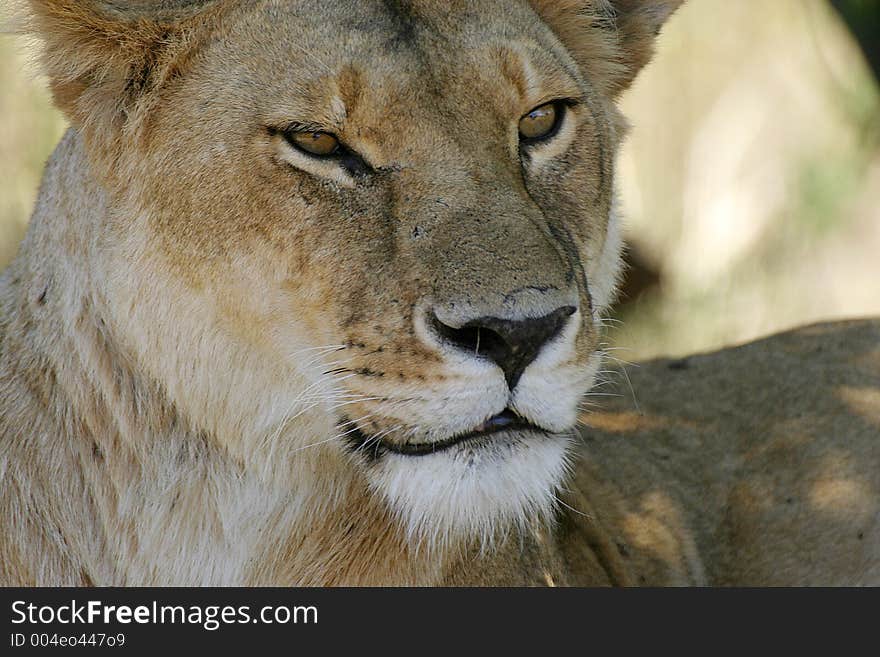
x=312, y=295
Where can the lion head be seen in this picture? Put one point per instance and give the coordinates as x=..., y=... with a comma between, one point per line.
x=359, y=243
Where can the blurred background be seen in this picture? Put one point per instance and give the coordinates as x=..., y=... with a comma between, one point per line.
x=750, y=182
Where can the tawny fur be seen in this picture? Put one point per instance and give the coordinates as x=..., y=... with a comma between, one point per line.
x=201, y=315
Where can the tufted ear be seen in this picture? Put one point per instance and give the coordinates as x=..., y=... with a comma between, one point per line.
x=611, y=39
x=105, y=58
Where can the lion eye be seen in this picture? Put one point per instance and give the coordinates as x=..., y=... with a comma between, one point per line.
x=541, y=123
x=315, y=143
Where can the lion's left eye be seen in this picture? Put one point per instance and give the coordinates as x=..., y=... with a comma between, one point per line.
x=321, y=144
x=541, y=123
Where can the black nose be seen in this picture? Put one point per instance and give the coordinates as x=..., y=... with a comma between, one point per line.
x=511, y=344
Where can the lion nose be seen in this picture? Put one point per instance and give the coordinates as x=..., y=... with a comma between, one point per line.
x=510, y=344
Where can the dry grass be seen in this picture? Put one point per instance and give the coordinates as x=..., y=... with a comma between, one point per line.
x=29, y=130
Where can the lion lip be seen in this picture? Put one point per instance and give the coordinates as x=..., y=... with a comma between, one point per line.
x=507, y=420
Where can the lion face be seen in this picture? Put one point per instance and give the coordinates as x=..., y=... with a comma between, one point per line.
x=376, y=239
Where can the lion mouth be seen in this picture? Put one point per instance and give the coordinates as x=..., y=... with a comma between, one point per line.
x=506, y=421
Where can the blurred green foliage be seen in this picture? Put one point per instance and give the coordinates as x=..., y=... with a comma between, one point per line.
x=863, y=19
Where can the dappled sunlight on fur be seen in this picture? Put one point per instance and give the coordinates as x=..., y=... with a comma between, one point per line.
x=863, y=401
x=756, y=454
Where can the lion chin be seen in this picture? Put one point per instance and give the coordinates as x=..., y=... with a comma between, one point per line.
x=475, y=490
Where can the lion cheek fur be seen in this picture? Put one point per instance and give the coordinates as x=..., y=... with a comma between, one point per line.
x=282, y=438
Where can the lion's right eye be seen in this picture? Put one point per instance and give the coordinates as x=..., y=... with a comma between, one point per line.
x=321, y=144
x=541, y=123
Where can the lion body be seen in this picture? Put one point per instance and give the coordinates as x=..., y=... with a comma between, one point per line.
x=216, y=350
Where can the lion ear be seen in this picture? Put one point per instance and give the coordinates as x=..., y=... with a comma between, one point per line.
x=104, y=57
x=611, y=39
